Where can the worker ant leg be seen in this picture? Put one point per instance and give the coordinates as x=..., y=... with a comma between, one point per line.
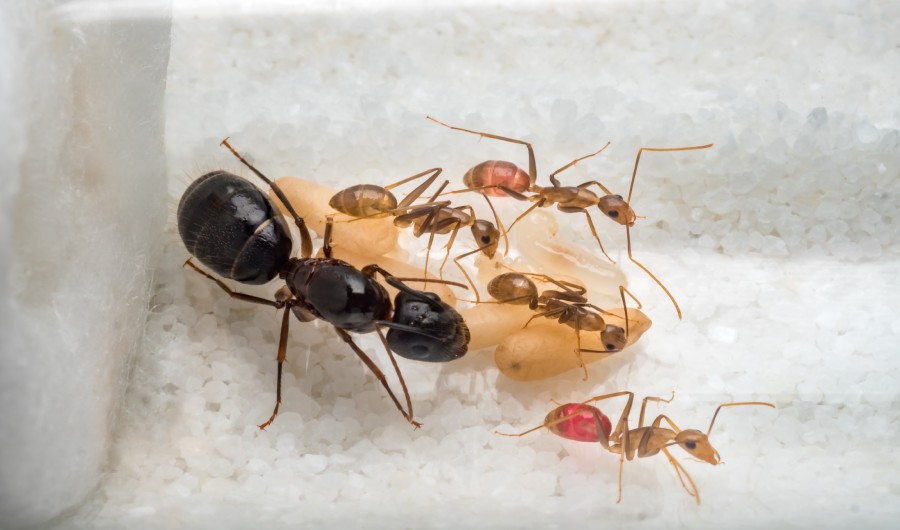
x=578, y=354
x=590, y=221
x=532, y=167
x=644, y=407
x=658, y=150
x=553, y=179
x=569, y=287
x=625, y=411
x=682, y=475
x=627, y=451
x=530, y=209
x=645, y=269
x=416, y=193
x=550, y=313
x=466, y=274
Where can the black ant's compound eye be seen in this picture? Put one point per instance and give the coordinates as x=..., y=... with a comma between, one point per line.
x=612, y=213
x=690, y=444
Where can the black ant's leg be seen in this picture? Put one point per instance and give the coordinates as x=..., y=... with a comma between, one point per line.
x=305, y=239
x=397, y=283
x=282, y=353
x=234, y=294
x=378, y=373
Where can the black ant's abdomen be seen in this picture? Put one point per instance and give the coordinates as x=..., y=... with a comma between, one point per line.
x=233, y=228
x=426, y=332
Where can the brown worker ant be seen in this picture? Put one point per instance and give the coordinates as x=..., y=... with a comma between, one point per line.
x=568, y=306
x=486, y=178
x=585, y=423
x=235, y=230
x=433, y=217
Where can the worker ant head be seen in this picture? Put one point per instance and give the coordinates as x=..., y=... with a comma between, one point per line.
x=615, y=207
x=487, y=237
x=697, y=444
x=613, y=338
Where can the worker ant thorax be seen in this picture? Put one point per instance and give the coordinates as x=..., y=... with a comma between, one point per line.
x=565, y=197
x=574, y=198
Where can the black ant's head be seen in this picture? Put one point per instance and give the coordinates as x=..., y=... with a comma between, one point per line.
x=487, y=237
x=615, y=207
x=613, y=338
x=697, y=444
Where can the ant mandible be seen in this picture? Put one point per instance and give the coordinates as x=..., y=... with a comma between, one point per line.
x=568, y=199
x=233, y=228
x=585, y=423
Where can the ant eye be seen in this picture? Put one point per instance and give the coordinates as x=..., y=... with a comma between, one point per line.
x=612, y=213
x=620, y=197
x=485, y=239
x=690, y=444
x=610, y=347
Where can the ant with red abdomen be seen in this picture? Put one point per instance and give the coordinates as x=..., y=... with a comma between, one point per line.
x=585, y=423
x=485, y=178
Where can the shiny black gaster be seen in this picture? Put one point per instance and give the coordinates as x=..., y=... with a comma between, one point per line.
x=233, y=228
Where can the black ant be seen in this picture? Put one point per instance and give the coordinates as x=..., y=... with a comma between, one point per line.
x=568, y=306
x=569, y=199
x=585, y=423
x=233, y=228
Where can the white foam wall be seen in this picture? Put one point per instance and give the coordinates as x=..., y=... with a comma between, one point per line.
x=83, y=204
x=780, y=243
